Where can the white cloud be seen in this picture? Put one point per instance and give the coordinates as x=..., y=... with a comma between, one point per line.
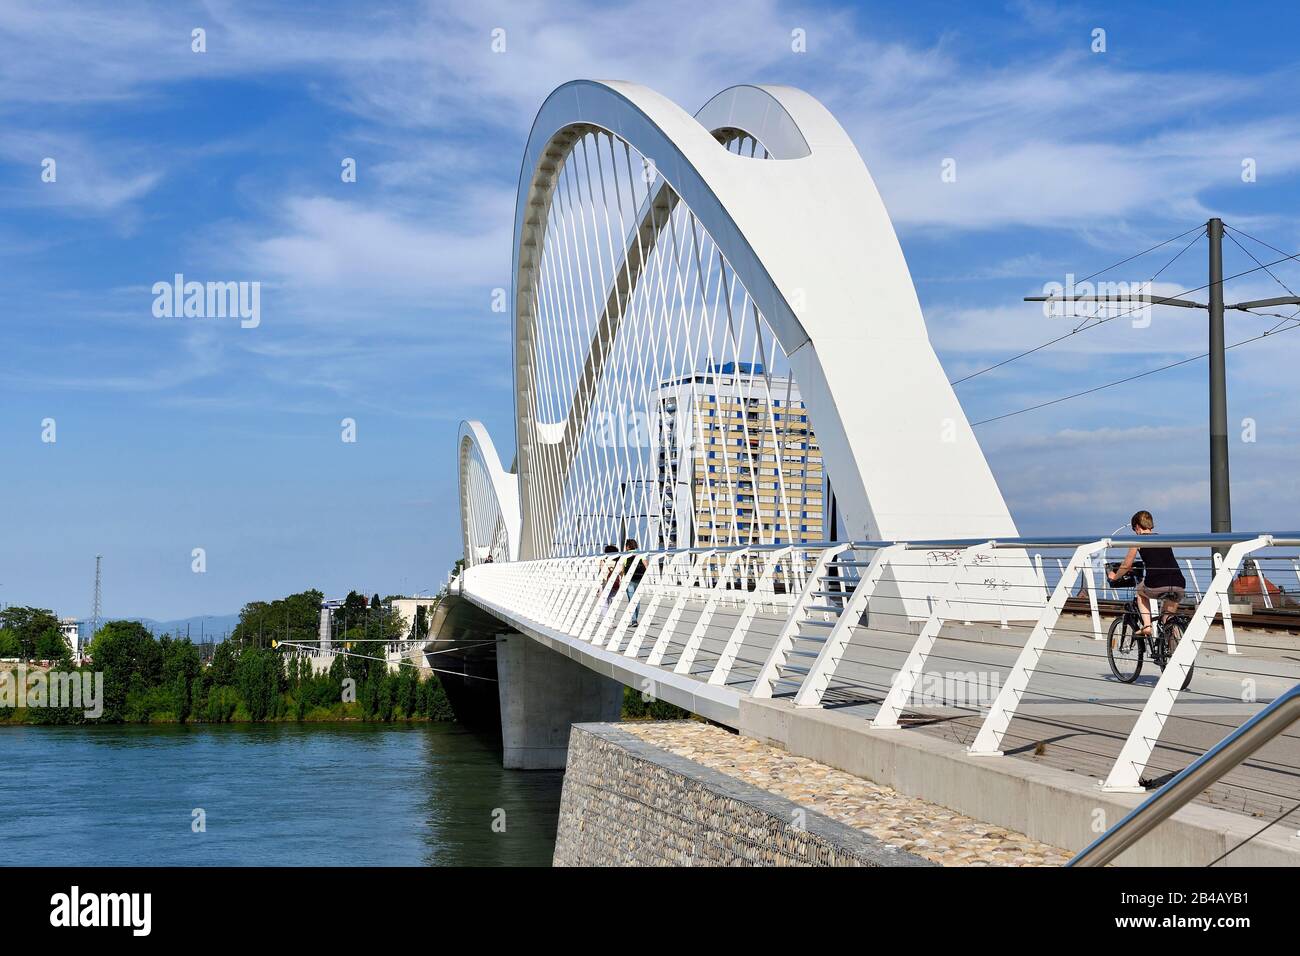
x=90, y=177
x=1057, y=139
x=345, y=263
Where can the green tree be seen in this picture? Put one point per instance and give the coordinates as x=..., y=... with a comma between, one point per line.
x=9, y=646
x=260, y=680
x=200, y=687
x=181, y=668
x=433, y=700
x=635, y=707
x=225, y=664
x=50, y=646
x=384, y=696
x=295, y=618
x=131, y=661
x=406, y=693
x=28, y=624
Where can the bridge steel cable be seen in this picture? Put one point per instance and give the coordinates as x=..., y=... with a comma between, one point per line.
x=686, y=336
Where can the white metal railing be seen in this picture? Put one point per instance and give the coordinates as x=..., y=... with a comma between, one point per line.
x=1211, y=766
x=819, y=602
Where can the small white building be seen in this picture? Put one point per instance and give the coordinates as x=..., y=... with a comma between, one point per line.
x=406, y=608
x=70, y=628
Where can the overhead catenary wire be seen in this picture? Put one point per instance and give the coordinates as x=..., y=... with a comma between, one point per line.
x=1290, y=291
x=1131, y=378
x=1156, y=301
x=1199, y=230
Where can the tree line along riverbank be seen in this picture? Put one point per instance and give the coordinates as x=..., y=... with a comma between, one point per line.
x=251, y=677
x=257, y=675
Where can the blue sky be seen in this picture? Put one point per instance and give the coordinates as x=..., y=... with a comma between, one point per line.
x=174, y=434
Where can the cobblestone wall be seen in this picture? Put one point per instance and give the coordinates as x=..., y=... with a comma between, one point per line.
x=627, y=803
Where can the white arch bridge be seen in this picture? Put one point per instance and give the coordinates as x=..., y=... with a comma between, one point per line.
x=741, y=483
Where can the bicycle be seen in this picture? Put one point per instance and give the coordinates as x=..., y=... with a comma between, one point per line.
x=1126, y=644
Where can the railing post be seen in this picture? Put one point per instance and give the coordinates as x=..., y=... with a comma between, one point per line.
x=585, y=584
x=1229, y=636
x=540, y=593
x=634, y=601
x=1196, y=585
x=1126, y=775
x=904, y=683
x=997, y=583
x=988, y=742
x=618, y=589
x=694, y=572
x=568, y=575
x=1090, y=578
x=819, y=676
x=596, y=614
x=722, y=669
x=1042, y=578
x=785, y=640
x=660, y=646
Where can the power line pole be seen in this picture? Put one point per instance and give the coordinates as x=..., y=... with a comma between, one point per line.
x=96, y=605
x=1220, y=493
x=1220, y=490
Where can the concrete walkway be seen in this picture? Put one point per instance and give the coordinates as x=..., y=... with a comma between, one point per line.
x=1075, y=715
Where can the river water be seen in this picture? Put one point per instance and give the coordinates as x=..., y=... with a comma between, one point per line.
x=270, y=794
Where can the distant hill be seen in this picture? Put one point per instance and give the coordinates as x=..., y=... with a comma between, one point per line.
x=214, y=627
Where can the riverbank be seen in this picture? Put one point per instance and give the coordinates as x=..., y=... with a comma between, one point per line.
x=223, y=705
x=341, y=714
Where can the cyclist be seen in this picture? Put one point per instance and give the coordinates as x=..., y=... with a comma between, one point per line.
x=1161, y=576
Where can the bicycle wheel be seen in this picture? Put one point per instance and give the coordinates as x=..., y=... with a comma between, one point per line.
x=1173, y=634
x=1124, y=649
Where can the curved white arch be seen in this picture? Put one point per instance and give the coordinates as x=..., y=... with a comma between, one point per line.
x=754, y=111
x=489, y=499
x=810, y=239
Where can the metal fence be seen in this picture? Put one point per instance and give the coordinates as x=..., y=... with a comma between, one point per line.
x=1001, y=644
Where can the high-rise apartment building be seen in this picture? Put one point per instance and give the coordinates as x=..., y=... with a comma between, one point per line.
x=737, y=461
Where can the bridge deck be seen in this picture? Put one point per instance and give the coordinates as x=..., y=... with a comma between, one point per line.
x=1074, y=707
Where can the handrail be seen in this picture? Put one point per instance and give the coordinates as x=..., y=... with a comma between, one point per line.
x=1178, y=540
x=1194, y=779
x=1187, y=540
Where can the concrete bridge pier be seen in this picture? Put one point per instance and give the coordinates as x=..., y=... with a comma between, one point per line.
x=542, y=695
